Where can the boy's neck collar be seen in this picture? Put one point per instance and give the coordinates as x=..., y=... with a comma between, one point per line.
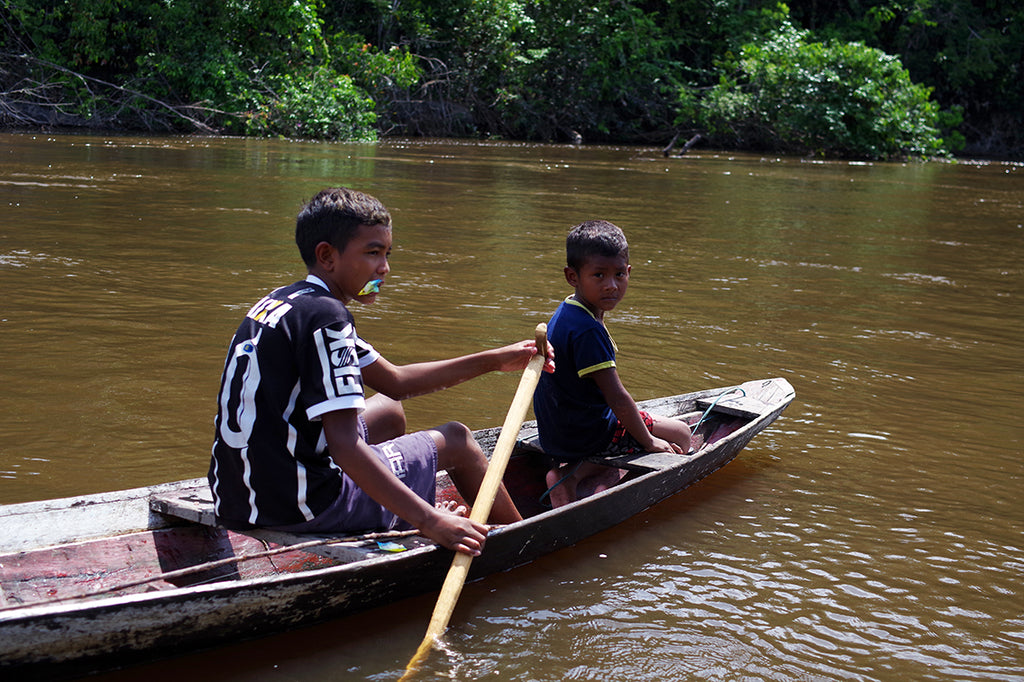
x=313, y=279
x=573, y=300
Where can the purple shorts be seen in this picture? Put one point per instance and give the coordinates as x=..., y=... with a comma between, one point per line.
x=413, y=458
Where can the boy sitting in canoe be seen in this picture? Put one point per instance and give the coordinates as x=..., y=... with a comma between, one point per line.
x=582, y=408
x=298, y=446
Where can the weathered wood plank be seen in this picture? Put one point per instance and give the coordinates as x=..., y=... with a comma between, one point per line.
x=52, y=522
x=143, y=561
x=190, y=504
x=757, y=398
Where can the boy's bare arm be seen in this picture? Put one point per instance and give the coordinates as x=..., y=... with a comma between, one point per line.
x=357, y=460
x=625, y=409
x=406, y=381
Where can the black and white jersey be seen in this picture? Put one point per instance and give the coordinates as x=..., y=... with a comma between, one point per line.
x=295, y=357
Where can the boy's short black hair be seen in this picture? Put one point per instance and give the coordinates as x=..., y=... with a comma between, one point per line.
x=333, y=216
x=594, y=238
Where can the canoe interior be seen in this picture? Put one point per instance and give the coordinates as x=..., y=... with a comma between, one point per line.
x=140, y=562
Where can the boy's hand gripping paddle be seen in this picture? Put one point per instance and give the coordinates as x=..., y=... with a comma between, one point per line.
x=456, y=577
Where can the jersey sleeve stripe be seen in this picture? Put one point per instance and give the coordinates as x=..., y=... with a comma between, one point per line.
x=593, y=368
x=343, y=403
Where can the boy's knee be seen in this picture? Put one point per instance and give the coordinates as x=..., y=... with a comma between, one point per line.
x=455, y=442
x=456, y=433
x=385, y=418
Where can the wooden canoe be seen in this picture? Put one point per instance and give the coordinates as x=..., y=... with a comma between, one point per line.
x=104, y=581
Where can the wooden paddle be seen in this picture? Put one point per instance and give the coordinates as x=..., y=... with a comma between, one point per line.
x=456, y=577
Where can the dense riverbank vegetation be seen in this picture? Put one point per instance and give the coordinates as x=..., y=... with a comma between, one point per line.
x=852, y=78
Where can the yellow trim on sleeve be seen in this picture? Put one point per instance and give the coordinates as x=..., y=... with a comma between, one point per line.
x=603, y=365
x=593, y=368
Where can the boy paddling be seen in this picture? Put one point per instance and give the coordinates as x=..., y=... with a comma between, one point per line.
x=298, y=446
x=582, y=408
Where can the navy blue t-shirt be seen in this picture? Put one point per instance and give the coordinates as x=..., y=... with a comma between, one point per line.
x=573, y=418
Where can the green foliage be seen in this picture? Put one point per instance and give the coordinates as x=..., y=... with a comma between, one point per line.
x=831, y=98
x=380, y=73
x=742, y=71
x=76, y=33
x=322, y=105
x=216, y=51
x=970, y=51
x=252, y=65
x=973, y=53
x=602, y=70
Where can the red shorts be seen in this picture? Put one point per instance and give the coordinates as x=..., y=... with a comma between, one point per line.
x=623, y=443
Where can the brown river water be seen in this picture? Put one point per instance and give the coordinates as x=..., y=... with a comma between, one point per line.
x=874, y=532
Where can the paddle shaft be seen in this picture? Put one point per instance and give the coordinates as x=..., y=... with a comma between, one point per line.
x=459, y=569
x=510, y=431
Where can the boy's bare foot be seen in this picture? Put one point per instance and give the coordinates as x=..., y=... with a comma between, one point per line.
x=599, y=481
x=696, y=443
x=584, y=480
x=453, y=507
x=560, y=492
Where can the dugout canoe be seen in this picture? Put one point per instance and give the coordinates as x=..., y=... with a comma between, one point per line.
x=104, y=581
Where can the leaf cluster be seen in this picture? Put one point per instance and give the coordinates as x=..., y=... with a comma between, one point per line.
x=251, y=66
x=830, y=98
